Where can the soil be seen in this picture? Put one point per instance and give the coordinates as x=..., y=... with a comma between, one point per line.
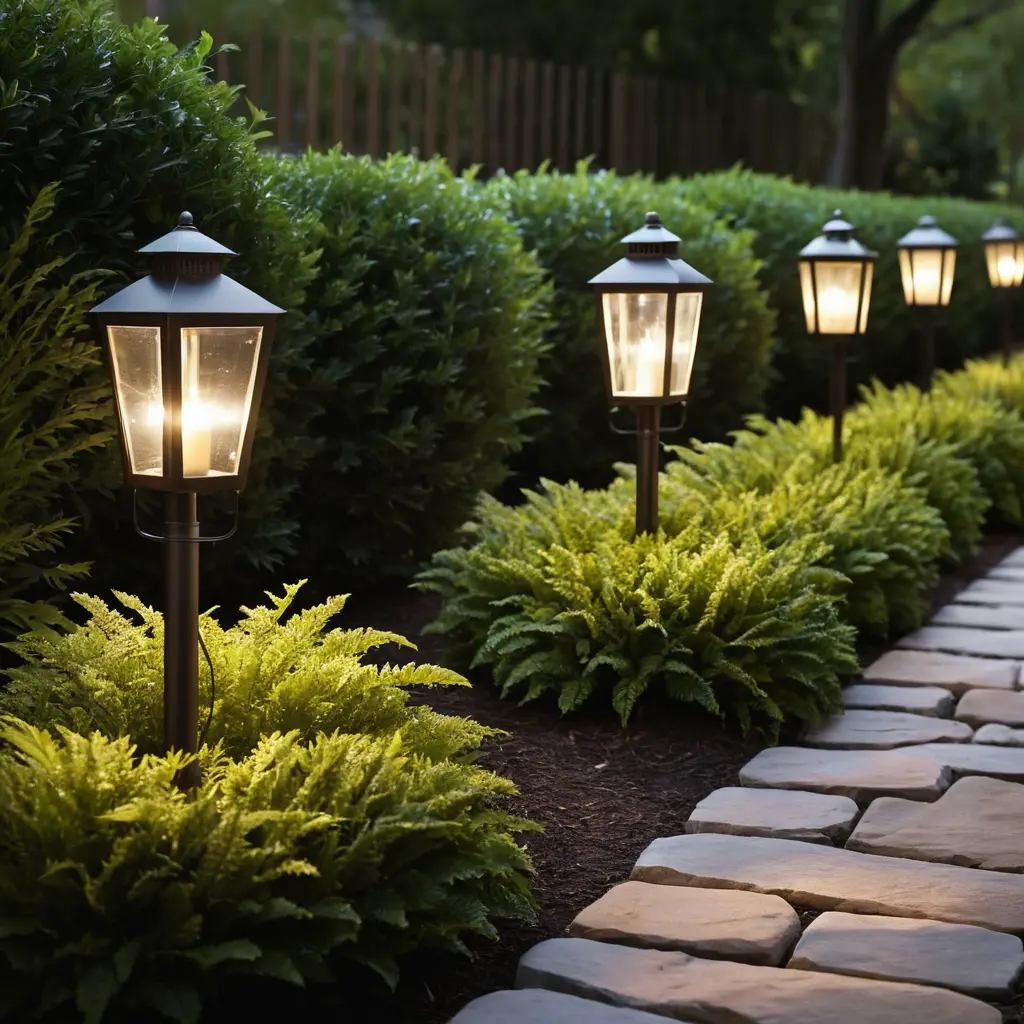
x=602, y=794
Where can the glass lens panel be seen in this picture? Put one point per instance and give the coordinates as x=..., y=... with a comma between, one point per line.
x=907, y=276
x=869, y=276
x=948, y=266
x=838, y=296
x=1018, y=257
x=1003, y=263
x=218, y=374
x=807, y=292
x=684, y=342
x=135, y=354
x=635, y=334
x=927, y=271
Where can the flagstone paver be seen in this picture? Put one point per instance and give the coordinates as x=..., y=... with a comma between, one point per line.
x=985, y=643
x=539, y=1006
x=991, y=592
x=1006, y=572
x=999, y=735
x=827, y=878
x=775, y=814
x=682, y=987
x=861, y=775
x=1014, y=559
x=980, y=616
x=981, y=708
x=956, y=673
x=975, y=961
x=978, y=822
x=971, y=759
x=921, y=700
x=744, y=926
x=859, y=729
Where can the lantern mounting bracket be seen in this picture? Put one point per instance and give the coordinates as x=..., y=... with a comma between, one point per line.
x=626, y=432
x=197, y=540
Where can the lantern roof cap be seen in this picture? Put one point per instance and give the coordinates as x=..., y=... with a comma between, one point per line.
x=182, y=296
x=651, y=261
x=652, y=233
x=186, y=239
x=1001, y=232
x=927, y=235
x=837, y=242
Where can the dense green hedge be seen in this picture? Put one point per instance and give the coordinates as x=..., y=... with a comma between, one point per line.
x=766, y=559
x=338, y=825
x=574, y=223
x=426, y=322
x=784, y=216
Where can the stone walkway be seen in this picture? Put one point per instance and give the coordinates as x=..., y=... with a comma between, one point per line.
x=900, y=823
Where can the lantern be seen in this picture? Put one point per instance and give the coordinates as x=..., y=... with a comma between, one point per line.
x=1004, y=255
x=927, y=262
x=836, y=273
x=649, y=306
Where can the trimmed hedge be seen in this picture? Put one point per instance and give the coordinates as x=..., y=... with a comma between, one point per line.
x=784, y=216
x=426, y=322
x=767, y=557
x=574, y=223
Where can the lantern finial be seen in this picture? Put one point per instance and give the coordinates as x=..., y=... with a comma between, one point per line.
x=186, y=220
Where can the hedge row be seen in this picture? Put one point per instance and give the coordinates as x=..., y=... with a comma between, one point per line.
x=768, y=558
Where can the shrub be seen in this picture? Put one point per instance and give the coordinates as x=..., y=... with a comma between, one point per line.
x=272, y=672
x=879, y=533
x=122, y=896
x=135, y=131
x=47, y=416
x=428, y=317
x=574, y=223
x=558, y=597
x=989, y=380
x=785, y=216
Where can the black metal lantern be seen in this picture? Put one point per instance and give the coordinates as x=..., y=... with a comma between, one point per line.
x=188, y=350
x=927, y=265
x=649, y=306
x=836, y=274
x=1004, y=257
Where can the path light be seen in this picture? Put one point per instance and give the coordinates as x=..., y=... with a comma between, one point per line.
x=836, y=273
x=927, y=262
x=1004, y=255
x=188, y=350
x=649, y=305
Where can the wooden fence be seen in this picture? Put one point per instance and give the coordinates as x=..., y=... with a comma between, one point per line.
x=510, y=113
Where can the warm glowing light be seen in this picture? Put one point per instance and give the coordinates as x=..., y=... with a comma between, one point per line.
x=1007, y=268
x=650, y=367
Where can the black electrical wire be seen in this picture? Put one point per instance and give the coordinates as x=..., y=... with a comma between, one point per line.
x=213, y=691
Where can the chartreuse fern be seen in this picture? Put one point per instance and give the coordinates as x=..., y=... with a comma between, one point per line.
x=122, y=897
x=274, y=671
x=557, y=596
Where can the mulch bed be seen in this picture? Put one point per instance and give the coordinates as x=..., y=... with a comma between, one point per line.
x=602, y=794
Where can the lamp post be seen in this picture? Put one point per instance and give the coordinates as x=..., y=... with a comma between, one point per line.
x=927, y=263
x=836, y=273
x=649, y=306
x=1004, y=255
x=188, y=349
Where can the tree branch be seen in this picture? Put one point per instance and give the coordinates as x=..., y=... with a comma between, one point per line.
x=904, y=25
x=945, y=29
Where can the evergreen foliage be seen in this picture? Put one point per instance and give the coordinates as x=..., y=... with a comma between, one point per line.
x=427, y=321
x=121, y=896
x=50, y=413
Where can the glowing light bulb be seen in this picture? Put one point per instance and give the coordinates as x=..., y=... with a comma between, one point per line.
x=837, y=310
x=650, y=367
x=1006, y=270
x=196, y=436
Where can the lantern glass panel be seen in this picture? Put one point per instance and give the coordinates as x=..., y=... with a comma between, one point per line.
x=135, y=355
x=907, y=276
x=684, y=342
x=838, y=295
x=807, y=291
x=948, y=267
x=865, y=302
x=635, y=325
x=218, y=375
x=1005, y=263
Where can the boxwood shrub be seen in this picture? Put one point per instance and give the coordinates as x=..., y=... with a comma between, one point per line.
x=784, y=216
x=135, y=131
x=427, y=319
x=337, y=827
x=574, y=223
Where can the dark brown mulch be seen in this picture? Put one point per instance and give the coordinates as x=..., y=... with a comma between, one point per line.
x=602, y=794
